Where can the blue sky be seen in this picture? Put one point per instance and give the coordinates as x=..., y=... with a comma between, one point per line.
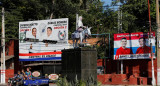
x=107, y=2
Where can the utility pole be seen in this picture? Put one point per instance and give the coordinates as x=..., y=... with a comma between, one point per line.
x=120, y=31
x=153, y=76
x=158, y=42
x=3, y=50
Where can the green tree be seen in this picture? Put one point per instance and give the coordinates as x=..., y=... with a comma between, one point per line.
x=28, y=10
x=12, y=18
x=135, y=15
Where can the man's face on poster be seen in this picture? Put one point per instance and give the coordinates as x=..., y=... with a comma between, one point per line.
x=49, y=31
x=123, y=42
x=141, y=42
x=34, y=32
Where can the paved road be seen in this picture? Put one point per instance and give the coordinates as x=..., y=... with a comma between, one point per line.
x=3, y=84
x=109, y=85
x=52, y=85
x=126, y=85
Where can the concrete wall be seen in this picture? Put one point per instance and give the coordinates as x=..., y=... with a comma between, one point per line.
x=80, y=63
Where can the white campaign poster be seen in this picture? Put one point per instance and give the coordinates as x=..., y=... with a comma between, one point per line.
x=43, y=40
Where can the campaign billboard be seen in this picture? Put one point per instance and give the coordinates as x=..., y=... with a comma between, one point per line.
x=43, y=40
x=134, y=45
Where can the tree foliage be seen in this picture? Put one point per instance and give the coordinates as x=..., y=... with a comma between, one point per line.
x=135, y=15
x=28, y=10
x=102, y=20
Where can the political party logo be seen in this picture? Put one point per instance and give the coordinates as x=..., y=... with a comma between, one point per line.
x=62, y=35
x=36, y=73
x=41, y=29
x=53, y=76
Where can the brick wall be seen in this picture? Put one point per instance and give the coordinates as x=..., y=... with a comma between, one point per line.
x=9, y=74
x=139, y=69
